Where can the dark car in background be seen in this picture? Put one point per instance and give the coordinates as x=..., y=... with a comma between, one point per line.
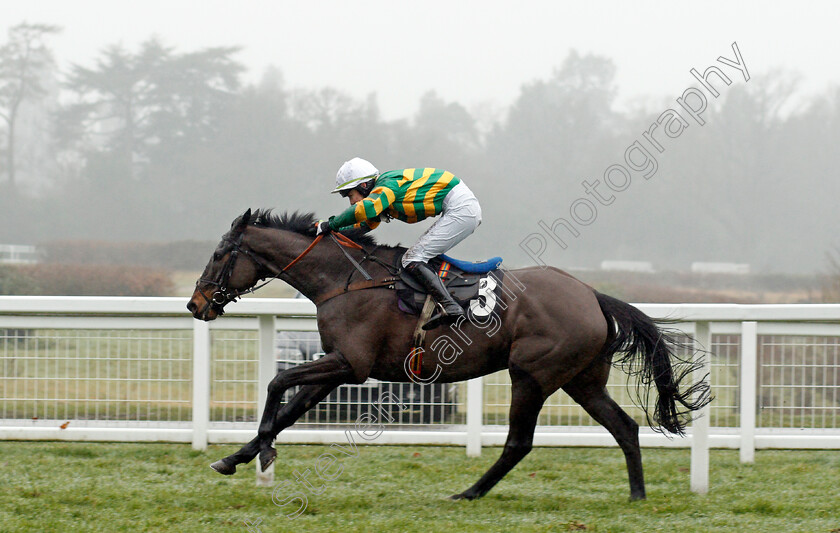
x=436, y=403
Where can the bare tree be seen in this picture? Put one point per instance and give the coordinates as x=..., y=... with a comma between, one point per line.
x=23, y=62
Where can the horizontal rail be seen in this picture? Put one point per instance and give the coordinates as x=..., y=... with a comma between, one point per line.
x=83, y=305
x=743, y=312
x=450, y=437
x=118, y=305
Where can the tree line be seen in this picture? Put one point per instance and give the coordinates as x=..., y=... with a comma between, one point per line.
x=158, y=144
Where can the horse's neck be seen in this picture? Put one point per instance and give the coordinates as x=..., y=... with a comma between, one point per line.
x=321, y=270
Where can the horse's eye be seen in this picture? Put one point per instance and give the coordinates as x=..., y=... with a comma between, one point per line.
x=217, y=256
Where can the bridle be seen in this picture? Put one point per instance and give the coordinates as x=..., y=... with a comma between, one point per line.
x=223, y=296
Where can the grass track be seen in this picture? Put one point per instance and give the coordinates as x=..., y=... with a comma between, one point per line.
x=58, y=486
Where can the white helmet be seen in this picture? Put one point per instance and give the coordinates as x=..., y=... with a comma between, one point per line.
x=353, y=173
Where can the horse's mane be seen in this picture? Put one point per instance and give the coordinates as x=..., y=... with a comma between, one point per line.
x=304, y=223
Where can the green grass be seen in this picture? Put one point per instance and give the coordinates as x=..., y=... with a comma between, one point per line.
x=57, y=486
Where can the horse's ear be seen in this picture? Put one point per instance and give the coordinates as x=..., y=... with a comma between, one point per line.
x=243, y=220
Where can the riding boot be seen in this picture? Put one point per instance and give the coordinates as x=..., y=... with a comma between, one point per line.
x=450, y=311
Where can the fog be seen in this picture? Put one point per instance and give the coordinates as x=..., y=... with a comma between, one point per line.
x=697, y=145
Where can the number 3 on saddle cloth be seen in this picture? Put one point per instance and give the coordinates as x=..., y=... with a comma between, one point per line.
x=476, y=287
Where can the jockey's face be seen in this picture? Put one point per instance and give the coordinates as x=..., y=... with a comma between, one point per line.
x=355, y=196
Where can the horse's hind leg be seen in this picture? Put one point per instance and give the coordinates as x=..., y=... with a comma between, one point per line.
x=588, y=389
x=525, y=404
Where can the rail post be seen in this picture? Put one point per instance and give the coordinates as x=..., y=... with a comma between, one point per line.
x=749, y=364
x=700, y=425
x=475, y=415
x=201, y=384
x=267, y=371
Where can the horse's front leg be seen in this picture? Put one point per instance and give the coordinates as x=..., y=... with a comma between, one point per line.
x=324, y=374
x=227, y=466
x=318, y=378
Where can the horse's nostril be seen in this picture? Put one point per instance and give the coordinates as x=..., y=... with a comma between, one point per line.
x=191, y=307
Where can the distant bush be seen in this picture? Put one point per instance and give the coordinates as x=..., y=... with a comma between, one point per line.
x=84, y=280
x=13, y=280
x=649, y=293
x=183, y=255
x=691, y=287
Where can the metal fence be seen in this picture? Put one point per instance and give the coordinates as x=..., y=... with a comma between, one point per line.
x=141, y=369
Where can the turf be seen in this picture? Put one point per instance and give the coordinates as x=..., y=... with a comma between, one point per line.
x=60, y=486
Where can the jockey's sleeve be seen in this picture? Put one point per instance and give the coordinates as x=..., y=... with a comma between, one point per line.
x=367, y=224
x=367, y=210
x=370, y=224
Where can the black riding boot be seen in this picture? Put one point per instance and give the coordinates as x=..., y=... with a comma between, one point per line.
x=450, y=310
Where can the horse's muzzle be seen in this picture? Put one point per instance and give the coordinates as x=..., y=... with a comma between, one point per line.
x=192, y=307
x=203, y=308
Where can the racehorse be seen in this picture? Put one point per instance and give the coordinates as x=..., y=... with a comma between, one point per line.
x=554, y=332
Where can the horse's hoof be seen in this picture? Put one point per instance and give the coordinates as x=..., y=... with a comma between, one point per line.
x=267, y=457
x=223, y=468
x=462, y=496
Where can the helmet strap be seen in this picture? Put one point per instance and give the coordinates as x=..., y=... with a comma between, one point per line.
x=366, y=187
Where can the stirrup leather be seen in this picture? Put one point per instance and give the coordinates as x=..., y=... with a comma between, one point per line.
x=449, y=310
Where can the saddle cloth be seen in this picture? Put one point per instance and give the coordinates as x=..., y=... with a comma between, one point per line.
x=461, y=278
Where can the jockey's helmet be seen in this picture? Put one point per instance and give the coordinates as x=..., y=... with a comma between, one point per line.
x=354, y=173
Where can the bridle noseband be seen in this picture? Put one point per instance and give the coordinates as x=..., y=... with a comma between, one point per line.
x=221, y=296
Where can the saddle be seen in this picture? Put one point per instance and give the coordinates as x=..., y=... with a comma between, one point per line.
x=461, y=278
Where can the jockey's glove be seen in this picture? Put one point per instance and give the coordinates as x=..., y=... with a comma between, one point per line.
x=322, y=227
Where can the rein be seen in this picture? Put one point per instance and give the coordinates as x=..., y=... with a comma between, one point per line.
x=346, y=242
x=273, y=269
x=222, y=296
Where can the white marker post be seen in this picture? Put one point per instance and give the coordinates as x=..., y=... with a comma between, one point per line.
x=700, y=426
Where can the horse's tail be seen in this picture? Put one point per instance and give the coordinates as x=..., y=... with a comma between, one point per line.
x=647, y=352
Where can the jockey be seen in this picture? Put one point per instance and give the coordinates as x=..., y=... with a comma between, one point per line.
x=411, y=195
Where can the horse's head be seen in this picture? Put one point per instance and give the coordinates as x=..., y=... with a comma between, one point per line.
x=226, y=276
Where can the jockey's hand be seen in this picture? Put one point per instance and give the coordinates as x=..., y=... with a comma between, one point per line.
x=322, y=227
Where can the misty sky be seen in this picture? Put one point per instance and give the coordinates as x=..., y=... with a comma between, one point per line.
x=480, y=54
x=477, y=53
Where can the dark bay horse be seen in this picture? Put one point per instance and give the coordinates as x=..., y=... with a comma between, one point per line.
x=553, y=332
